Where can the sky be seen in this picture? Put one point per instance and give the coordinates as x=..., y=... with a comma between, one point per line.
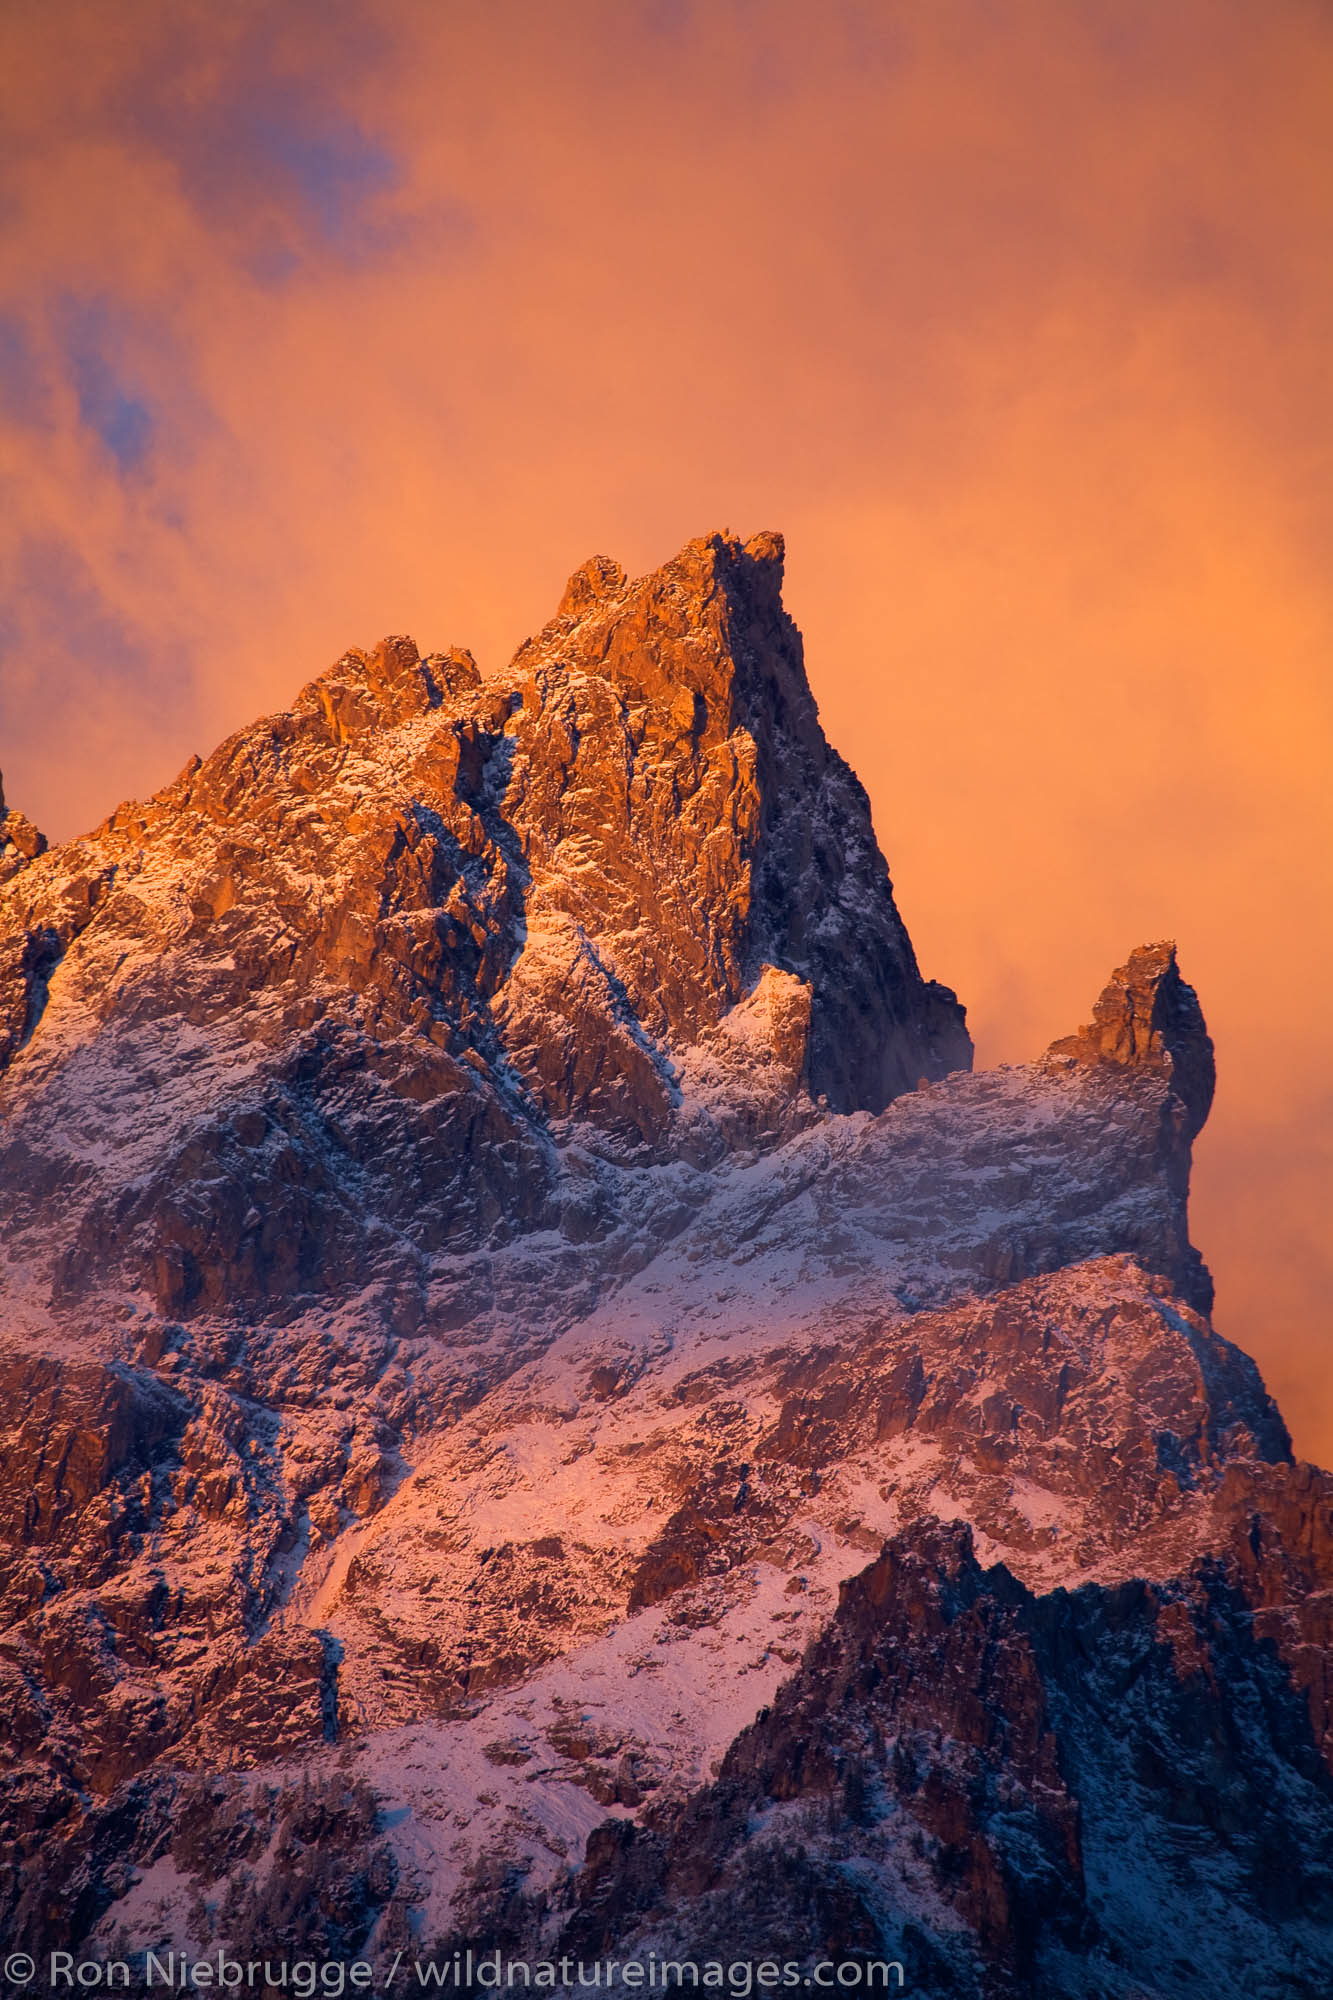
x=321, y=321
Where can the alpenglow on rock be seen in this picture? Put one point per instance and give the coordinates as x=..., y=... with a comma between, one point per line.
x=311, y=1015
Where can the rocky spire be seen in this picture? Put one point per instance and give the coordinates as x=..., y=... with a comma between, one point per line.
x=701, y=826
x=20, y=840
x=1147, y=1040
x=1147, y=1018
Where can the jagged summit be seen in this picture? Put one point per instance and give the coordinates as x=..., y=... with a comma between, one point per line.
x=379, y=950
x=753, y=839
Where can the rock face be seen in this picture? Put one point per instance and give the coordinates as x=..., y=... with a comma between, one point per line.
x=938, y=1785
x=499, y=1235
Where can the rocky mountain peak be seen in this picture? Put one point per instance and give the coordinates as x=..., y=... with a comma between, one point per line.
x=444, y=925
x=20, y=840
x=1148, y=1018
x=594, y=581
x=710, y=623
x=483, y=1280
x=753, y=839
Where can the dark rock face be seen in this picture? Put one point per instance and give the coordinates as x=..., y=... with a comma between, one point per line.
x=497, y=1231
x=994, y=1789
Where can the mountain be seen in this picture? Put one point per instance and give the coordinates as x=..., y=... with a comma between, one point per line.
x=545, y=1405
